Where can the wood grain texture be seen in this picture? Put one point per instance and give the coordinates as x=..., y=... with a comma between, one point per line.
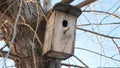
x=60, y=38
x=48, y=34
x=63, y=42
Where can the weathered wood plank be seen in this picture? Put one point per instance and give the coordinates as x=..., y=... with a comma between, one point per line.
x=60, y=35
x=63, y=42
x=48, y=34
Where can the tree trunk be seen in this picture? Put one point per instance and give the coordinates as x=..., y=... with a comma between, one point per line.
x=26, y=50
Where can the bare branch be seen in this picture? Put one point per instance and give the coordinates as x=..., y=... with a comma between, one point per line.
x=116, y=45
x=5, y=2
x=108, y=11
x=16, y=21
x=81, y=61
x=33, y=42
x=8, y=8
x=2, y=48
x=98, y=33
x=84, y=3
x=70, y=65
x=11, y=56
x=100, y=24
x=43, y=12
x=15, y=26
x=102, y=12
x=97, y=53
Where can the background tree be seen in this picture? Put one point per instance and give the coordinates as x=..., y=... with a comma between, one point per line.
x=23, y=22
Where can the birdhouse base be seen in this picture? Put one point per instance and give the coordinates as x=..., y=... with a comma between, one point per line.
x=57, y=55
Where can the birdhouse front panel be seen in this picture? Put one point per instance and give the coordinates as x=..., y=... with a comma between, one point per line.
x=60, y=35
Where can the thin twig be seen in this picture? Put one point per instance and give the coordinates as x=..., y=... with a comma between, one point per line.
x=16, y=22
x=42, y=11
x=8, y=9
x=100, y=24
x=10, y=55
x=112, y=14
x=97, y=53
x=15, y=26
x=81, y=61
x=116, y=45
x=1, y=49
x=97, y=33
x=5, y=2
x=113, y=29
x=33, y=53
x=70, y=65
x=108, y=15
x=33, y=46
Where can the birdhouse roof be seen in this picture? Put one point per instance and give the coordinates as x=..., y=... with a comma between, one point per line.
x=66, y=8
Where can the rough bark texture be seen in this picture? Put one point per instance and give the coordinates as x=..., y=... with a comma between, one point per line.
x=22, y=50
x=22, y=46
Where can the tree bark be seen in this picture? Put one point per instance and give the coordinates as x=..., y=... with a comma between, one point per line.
x=27, y=47
x=22, y=48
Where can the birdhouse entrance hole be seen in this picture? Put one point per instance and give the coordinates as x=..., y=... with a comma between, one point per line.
x=65, y=23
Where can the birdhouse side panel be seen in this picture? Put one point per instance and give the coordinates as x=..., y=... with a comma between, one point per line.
x=48, y=34
x=64, y=33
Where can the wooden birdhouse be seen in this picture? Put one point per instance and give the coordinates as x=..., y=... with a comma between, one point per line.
x=60, y=31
